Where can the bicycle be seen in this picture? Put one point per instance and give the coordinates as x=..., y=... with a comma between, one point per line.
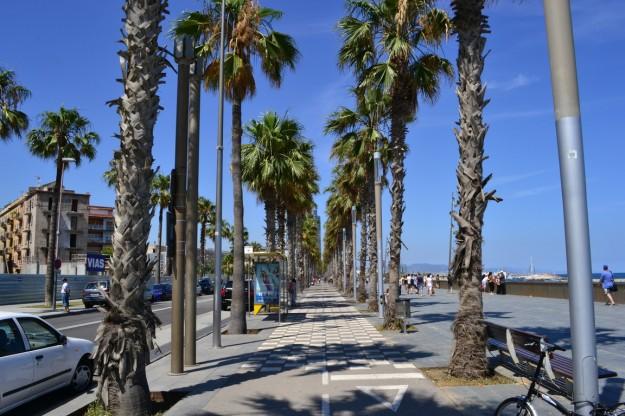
x=522, y=405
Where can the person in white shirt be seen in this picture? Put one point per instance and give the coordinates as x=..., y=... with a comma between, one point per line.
x=429, y=284
x=65, y=295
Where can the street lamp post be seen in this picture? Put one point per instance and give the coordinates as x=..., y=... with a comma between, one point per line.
x=451, y=234
x=58, y=229
x=344, y=260
x=573, y=179
x=219, y=191
x=354, y=249
x=377, y=163
x=184, y=56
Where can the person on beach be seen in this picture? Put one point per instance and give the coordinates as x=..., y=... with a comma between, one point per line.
x=450, y=283
x=607, y=282
x=65, y=295
x=484, y=282
x=419, y=284
x=491, y=283
x=429, y=282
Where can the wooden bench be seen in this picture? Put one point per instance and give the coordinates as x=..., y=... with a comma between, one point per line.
x=403, y=313
x=520, y=352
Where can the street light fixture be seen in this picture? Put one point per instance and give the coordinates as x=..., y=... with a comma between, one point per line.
x=65, y=161
x=377, y=166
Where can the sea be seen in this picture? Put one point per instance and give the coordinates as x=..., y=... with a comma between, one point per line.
x=617, y=275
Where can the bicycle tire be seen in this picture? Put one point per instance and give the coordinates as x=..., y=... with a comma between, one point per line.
x=514, y=406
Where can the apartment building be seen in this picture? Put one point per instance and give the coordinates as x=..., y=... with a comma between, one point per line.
x=25, y=229
x=100, y=228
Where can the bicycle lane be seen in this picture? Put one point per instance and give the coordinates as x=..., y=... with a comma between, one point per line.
x=327, y=359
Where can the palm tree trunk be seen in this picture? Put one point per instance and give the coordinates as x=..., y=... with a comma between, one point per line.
x=362, y=291
x=160, y=241
x=468, y=358
x=53, y=227
x=299, y=252
x=373, y=247
x=281, y=227
x=290, y=230
x=349, y=262
x=398, y=154
x=270, y=223
x=124, y=339
x=237, y=325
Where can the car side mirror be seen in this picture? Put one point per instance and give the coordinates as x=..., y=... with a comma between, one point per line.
x=63, y=340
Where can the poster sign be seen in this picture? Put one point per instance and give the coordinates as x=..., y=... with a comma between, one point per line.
x=267, y=283
x=95, y=262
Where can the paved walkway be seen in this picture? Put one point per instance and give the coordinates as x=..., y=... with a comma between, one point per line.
x=328, y=359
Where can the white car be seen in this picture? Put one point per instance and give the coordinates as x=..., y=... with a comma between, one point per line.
x=36, y=359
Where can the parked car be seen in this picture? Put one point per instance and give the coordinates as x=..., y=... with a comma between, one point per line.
x=198, y=290
x=226, y=296
x=36, y=359
x=161, y=291
x=92, y=294
x=207, y=286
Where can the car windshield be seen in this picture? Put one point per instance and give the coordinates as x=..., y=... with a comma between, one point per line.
x=91, y=286
x=157, y=287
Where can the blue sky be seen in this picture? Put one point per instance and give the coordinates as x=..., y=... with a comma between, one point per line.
x=65, y=52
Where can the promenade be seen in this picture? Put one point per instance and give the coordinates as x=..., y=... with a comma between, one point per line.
x=328, y=358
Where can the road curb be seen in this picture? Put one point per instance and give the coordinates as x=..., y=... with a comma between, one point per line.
x=61, y=314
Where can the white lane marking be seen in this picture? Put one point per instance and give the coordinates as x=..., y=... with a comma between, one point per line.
x=404, y=365
x=65, y=328
x=324, y=378
x=394, y=406
x=346, y=377
x=325, y=405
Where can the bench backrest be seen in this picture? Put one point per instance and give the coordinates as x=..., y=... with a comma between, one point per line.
x=521, y=339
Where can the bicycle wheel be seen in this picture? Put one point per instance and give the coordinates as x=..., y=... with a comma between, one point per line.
x=514, y=406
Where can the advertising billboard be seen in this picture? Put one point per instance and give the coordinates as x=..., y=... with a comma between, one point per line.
x=267, y=283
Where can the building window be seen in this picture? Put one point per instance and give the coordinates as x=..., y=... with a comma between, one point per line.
x=74, y=205
x=50, y=203
x=72, y=240
x=74, y=223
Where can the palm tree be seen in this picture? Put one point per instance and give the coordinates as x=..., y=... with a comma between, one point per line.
x=392, y=44
x=251, y=37
x=206, y=215
x=125, y=336
x=64, y=134
x=359, y=133
x=160, y=198
x=468, y=359
x=13, y=122
x=110, y=175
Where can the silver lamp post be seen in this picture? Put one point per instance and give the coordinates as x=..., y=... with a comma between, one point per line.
x=354, y=250
x=57, y=272
x=344, y=260
x=377, y=164
x=573, y=179
x=219, y=191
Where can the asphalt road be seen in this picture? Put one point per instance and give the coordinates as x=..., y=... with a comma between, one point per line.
x=85, y=326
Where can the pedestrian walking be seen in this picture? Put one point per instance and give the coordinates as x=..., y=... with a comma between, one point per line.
x=607, y=282
x=65, y=292
x=429, y=283
x=484, y=285
x=293, y=291
x=450, y=283
x=491, y=283
x=419, y=284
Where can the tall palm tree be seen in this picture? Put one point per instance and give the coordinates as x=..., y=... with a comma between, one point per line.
x=206, y=215
x=468, y=358
x=251, y=37
x=360, y=132
x=125, y=336
x=160, y=198
x=13, y=122
x=62, y=134
x=392, y=44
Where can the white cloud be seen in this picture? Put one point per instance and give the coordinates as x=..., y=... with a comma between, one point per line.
x=502, y=180
x=539, y=190
x=519, y=81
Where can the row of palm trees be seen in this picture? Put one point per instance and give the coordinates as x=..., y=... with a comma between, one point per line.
x=392, y=48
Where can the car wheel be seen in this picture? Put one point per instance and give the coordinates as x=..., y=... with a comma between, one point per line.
x=88, y=306
x=83, y=376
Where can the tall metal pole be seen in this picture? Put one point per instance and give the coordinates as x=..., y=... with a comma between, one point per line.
x=573, y=179
x=354, y=250
x=377, y=159
x=192, y=197
x=184, y=56
x=218, y=199
x=344, y=260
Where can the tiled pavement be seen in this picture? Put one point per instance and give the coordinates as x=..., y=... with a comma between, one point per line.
x=327, y=359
